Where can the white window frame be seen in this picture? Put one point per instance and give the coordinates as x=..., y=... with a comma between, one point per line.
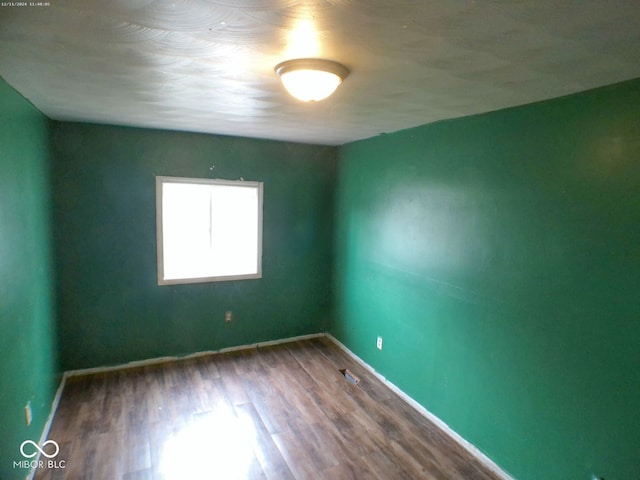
x=162, y=180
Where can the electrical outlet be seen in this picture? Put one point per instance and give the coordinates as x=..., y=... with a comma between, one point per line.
x=379, y=343
x=27, y=413
x=228, y=316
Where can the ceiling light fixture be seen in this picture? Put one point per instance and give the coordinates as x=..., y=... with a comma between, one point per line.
x=311, y=79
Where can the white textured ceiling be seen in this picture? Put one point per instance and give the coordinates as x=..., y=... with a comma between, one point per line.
x=207, y=65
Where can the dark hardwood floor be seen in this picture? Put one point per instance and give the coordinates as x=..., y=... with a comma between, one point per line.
x=279, y=412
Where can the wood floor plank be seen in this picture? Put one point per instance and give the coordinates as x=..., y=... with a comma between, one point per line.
x=277, y=412
x=386, y=468
x=352, y=468
x=297, y=396
x=161, y=435
x=274, y=356
x=136, y=452
x=356, y=434
x=265, y=449
x=231, y=382
x=298, y=461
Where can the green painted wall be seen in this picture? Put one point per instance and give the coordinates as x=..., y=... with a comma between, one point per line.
x=28, y=366
x=499, y=257
x=110, y=305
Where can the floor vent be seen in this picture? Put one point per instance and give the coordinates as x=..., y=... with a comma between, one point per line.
x=348, y=374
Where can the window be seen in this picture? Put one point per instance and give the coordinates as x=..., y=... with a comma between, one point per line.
x=208, y=230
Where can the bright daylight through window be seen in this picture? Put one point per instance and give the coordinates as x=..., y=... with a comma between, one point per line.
x=208, y=230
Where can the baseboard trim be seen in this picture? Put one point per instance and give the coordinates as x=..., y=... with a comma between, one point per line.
x=159, y=360
x=468, y=446
x=47, y=424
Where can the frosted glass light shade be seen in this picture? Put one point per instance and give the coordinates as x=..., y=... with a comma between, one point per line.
x=311, y=79
x=310, y=85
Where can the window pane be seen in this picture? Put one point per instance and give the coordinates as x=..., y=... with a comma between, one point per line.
x=209, y=228
x=234, y=220
x=186, y=222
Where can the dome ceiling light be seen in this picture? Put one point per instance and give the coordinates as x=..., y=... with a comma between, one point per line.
x=311, y=79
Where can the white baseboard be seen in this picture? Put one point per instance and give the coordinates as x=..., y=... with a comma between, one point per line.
x=158, y=360
x=273, y=342
x=47, y=424
x=468, y=446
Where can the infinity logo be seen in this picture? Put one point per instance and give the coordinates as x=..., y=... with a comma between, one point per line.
x=38, y=448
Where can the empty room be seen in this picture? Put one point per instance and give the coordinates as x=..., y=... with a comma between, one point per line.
x=320, y=239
